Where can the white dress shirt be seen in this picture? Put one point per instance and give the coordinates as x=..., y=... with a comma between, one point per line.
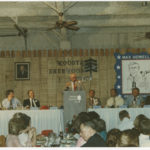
x=116, y=101
x=125, y=124
x=34, y=104
x=144, y=140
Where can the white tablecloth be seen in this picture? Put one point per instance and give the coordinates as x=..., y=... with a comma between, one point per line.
x=40, y=119
x=111, y=115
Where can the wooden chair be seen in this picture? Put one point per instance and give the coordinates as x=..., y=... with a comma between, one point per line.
x=2, y=141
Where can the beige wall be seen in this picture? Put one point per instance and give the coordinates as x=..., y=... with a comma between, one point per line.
x=49, y=87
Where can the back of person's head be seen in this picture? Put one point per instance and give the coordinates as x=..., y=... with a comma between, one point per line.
x=15, y=126
x=112, y=137
x=19, y=122
x=90, y=123
x=129, y=138
x=138, y=119
x=23, y=117
x=144, y=127
x=123, y=114
x=93, y=115
x=101, y=125
x=82, y=117
x=8, y=92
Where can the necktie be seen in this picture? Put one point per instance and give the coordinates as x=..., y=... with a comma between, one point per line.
x=74, y=86
x=11, y=104
x=114, y=102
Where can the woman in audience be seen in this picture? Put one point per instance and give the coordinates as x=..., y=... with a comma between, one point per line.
x=112, y=137
x=20, y=132
x=129, y=138
x=89, y=134
x=144, y=128
x=138, y=119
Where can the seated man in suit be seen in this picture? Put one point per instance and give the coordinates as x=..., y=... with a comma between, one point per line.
x=74, y=84
x=31, y=101
x=115, y=100
x=10, y=102
x=92, y=100
x=135, y=100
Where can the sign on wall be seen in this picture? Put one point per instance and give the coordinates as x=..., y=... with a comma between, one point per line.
x=132, y=71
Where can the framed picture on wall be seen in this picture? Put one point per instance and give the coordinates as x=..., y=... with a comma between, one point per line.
x=22, y=70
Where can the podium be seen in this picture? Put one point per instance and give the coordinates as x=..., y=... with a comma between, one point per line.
x=74, y=103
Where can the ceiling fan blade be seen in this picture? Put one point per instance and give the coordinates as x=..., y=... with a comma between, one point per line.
x=73, y=28
x=71, y=23
x=8, y=35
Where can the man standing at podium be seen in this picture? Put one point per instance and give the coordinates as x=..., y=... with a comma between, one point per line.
x=74, y=84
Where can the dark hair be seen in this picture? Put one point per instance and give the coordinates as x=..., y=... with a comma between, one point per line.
x=93, y=115
x=8, y=92
x=138, y=119
x=92, y=90
x=114, y=90
x=128, y=138
x=113, y=137
x=29, y=91
x=82, y=117
x=123, y=114
x=136, y=89
x=18, y=123
x=101, y=125
x=90, y=123
x=144, y=126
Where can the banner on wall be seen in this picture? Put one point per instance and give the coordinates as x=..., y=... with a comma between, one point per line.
x=132, y=71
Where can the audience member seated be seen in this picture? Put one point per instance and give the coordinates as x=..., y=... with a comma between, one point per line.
x=126, y=123
x=144, y=128
x=74, y=84
x=31, y=101
x=135, y=100
x=10, y=102
x=101, y=128
x=115, y=100
x=138, y=119
x=20, y=132
x=112, y=137
x=92, y=100
x=89, y=134
x=129, y=138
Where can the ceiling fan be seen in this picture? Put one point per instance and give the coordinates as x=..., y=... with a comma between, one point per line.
x=65, y=24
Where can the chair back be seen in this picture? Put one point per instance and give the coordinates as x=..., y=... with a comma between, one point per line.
x=46, y=132
x=2, y=141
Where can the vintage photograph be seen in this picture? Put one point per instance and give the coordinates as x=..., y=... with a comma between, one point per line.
x=22, y=70
x=135, y=74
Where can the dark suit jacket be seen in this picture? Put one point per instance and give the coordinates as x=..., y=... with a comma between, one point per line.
x=27, y=102
x=95, y=141
x=22, y=75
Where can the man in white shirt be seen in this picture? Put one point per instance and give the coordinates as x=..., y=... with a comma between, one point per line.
x=114, y=101
x=10, y=102
x=126, y=123
x=74, y=84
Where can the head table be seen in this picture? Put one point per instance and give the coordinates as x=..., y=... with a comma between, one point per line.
x=40, y=119
x=111, y=115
